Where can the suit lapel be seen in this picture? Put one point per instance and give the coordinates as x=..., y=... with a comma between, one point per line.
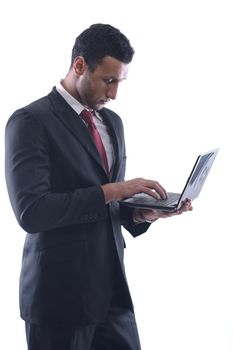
x=71, y=120
x=116, y=137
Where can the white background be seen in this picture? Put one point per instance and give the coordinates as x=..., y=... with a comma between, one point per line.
x=176, y=103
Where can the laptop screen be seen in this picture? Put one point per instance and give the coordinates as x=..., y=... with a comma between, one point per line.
x=198, y=175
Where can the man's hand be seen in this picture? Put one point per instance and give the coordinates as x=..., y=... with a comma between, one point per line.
x=142, y=215
x=125, y=189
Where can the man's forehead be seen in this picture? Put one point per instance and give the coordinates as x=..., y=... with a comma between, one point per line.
x=113, y=68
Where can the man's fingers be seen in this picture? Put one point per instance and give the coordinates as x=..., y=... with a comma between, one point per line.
x=153, y=193
x=154, y=189
x=186, y=206
x=129, y=188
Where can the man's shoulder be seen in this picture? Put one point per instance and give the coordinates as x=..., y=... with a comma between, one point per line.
x=35, y=108
x=41, y=103
x=111, y=115
x=109, y=112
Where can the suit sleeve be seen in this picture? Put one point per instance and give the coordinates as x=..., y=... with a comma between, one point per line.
x=27, y=170
x=128, y=223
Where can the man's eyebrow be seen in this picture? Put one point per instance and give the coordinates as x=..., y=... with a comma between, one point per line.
x=114, y=79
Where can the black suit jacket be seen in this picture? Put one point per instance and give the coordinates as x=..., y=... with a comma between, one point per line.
x=74, y=241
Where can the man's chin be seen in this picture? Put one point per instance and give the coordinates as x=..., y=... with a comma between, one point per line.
x=99, y=107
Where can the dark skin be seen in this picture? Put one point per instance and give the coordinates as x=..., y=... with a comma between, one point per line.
x=93, y=89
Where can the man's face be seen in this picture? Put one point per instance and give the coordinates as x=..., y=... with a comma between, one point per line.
x=96, y=88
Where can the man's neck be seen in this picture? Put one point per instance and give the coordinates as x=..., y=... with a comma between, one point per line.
x=69, y=86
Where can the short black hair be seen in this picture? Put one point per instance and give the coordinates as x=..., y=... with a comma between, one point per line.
x=99, y=41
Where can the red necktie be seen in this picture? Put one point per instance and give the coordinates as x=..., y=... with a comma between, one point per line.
x=88, y=117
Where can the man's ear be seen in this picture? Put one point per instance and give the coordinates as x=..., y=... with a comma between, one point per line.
x=79, y=65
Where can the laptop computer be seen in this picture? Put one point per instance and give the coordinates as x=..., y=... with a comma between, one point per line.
x=174, y=201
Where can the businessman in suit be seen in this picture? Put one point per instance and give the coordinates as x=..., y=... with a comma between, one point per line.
x=64, y=187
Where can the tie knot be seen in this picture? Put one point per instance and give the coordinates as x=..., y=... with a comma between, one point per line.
x=88, y=117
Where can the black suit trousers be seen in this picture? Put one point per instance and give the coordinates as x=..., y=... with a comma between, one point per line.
x=117, y=332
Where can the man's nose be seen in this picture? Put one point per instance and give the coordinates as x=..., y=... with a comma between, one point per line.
x=112, y=91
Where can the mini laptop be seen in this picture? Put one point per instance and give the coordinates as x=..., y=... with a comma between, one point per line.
x=174, y=201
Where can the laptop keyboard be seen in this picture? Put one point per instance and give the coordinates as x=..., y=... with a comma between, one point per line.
x=172, y=198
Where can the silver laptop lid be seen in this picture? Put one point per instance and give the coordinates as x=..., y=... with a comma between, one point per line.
x=198, y=176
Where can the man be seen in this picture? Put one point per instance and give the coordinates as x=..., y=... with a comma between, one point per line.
x=65, y=167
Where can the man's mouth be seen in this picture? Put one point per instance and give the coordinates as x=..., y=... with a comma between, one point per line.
x=103, y=102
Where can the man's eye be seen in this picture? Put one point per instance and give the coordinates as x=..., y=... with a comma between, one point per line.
x=108, y=81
